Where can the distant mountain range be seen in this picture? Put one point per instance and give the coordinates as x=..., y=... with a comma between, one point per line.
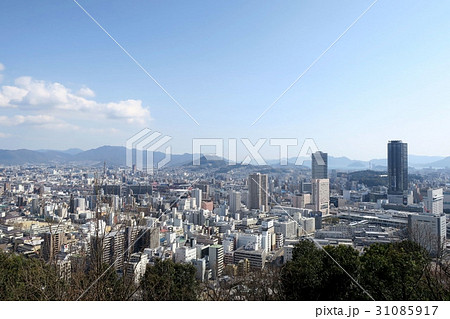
x=416, y=161
x=116, y=155
x=70, y=151
x=112, y=155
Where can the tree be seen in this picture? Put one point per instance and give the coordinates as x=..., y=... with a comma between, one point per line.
x=166, y=280
x=395, y=271
x=314, y=275
x=301, y=277
x=256, y=285
x=110, y=287
x=341, y=268
x=28, y=279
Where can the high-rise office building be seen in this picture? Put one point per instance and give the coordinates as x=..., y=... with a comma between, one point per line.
x=446, y=203
x=148, y=238
x=204, y=187
x=300, y=201
x=397, y=167
x=319, y=165
x=429, y=231
x=235, y=201
x=258, y=191
x=197, y=194
x=305, y=188
x=80, y=204
x=216, y=260
x=321, y=195
x=434, y=201
x=288, y=228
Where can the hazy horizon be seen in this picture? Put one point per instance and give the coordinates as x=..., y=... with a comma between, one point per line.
x=242, y=156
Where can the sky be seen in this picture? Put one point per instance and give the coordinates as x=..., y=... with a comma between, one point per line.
x=65, y=84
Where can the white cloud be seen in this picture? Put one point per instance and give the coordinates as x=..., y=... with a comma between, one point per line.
x=4, y=135
x=30, y=119
x=29, y=94
x=131, y=110
x=86, y=92
x=11, y=94
x=109, y=130
x=43, y=121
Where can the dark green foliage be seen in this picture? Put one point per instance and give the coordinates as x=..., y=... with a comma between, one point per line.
x=110, y=287
x=313, y=275
x=256, y=285
x=167, y=280
x=28, y=279
x=302, y=277
x=395, y=271
x=337, y=284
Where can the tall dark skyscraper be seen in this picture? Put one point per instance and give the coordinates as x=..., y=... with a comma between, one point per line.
x=319, y=165
x=397, y=167
x=258, y=191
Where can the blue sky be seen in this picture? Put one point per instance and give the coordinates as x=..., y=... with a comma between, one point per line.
x=225, y=62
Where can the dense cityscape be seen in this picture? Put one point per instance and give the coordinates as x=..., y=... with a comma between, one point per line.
x=153, y=152
x=224, y=220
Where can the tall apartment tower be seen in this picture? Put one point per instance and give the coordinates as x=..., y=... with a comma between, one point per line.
x=108, y=249
x=148, y=238
x=321, y=195
x=216, y=260
x=258, y=190
x=197, y=194
x=52, y=245
x=319, y=165
x=397, y=167
x=235, y=201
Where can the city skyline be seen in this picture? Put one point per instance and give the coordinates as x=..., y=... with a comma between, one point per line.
x=226, y=151
x=376, y=84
